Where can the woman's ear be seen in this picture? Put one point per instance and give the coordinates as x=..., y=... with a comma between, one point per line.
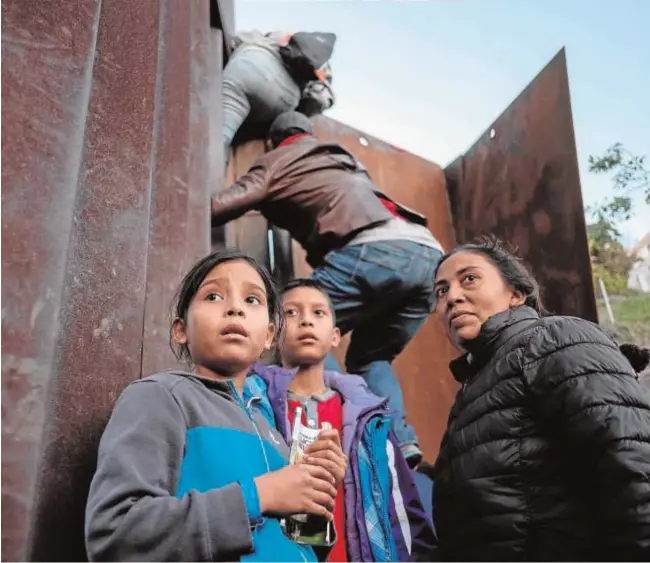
x=269, y=337
x=178, y=331
x=517, y=299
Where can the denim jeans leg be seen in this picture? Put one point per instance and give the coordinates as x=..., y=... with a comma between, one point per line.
x=336, y=275
x=375, y=345
x=236, y=108
x=383, y=292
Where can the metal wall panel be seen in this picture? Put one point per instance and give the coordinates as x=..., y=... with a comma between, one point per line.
x=103, y=206
x=520, y=181
x=47, y=59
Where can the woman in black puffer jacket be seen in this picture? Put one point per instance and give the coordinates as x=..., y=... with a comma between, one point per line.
x=547, y=450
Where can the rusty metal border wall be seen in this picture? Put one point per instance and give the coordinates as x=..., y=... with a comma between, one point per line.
x=110, y=130
x=520, y=181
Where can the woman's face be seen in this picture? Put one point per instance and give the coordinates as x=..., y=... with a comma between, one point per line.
x=469, y=290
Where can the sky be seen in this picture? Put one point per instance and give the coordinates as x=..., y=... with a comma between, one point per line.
x=430, y=76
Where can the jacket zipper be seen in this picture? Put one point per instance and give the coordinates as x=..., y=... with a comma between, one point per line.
x=259, y=436
x=252, y=419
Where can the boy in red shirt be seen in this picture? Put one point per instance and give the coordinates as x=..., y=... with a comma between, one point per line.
x=378, y=515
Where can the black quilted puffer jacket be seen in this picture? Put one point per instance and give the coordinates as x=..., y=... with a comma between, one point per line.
x=547, y=450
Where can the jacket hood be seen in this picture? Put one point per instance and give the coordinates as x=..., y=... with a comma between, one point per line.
x=494, y=333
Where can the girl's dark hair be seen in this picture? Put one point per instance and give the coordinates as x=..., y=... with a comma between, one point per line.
x=193, y=280
x=513, y=272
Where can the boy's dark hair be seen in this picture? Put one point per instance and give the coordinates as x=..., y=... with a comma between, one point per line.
x=511, y=267
x=287, y=125
x=193, y=280
x=278, y=136
x=314, y=284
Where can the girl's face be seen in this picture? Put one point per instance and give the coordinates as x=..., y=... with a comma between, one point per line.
x=469, y=290
x=227, y=326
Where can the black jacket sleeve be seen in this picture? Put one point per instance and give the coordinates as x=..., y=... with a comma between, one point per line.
x=587, y=392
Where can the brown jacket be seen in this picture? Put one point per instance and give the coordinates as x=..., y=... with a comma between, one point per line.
x=317, y=191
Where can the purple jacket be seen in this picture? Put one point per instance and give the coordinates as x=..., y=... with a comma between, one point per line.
x=412, y=531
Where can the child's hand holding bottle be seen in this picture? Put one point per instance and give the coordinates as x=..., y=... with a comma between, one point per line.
x=300, y=488
x=326, y=452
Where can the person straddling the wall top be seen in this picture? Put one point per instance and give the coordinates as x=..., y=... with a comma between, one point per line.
x=378, y=514
x=268, y=74
x=186, y=470
x=546, y=455
x=374, y=257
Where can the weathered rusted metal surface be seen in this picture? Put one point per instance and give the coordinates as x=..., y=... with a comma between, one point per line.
x=103, y=102
x=520, y=181
x=206, y=146
x=170, y=186
x=185, y=168
x=423, y=367
x=47, y=58
x=99, y=345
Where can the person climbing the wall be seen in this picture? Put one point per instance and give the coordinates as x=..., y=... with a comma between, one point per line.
x=268, y=74
x=374, y=257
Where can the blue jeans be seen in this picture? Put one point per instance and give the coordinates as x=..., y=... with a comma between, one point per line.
x=383, y=292
x=256, y=86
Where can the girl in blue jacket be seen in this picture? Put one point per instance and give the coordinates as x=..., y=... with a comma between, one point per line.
x=186, y=470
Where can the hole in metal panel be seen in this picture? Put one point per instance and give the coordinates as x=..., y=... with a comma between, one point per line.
x=364, y=141
x=493, y=133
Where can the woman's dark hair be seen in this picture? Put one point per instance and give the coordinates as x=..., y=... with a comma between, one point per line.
x=637, y=356
x=513, y=272
x=193, y=280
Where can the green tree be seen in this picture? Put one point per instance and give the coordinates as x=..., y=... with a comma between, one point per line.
x=629, y=176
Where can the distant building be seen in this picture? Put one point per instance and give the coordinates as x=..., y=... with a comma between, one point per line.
x=639, y=277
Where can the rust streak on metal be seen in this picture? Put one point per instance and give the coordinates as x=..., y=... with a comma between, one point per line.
x=520, y=181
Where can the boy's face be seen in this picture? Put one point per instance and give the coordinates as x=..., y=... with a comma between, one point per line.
x=309, y=332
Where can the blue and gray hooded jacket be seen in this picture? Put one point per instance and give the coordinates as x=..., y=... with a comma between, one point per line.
x=174, y=478
x=385, y=520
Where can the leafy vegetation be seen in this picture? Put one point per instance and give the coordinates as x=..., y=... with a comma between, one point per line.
x=610, y=261
x=629, y=176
